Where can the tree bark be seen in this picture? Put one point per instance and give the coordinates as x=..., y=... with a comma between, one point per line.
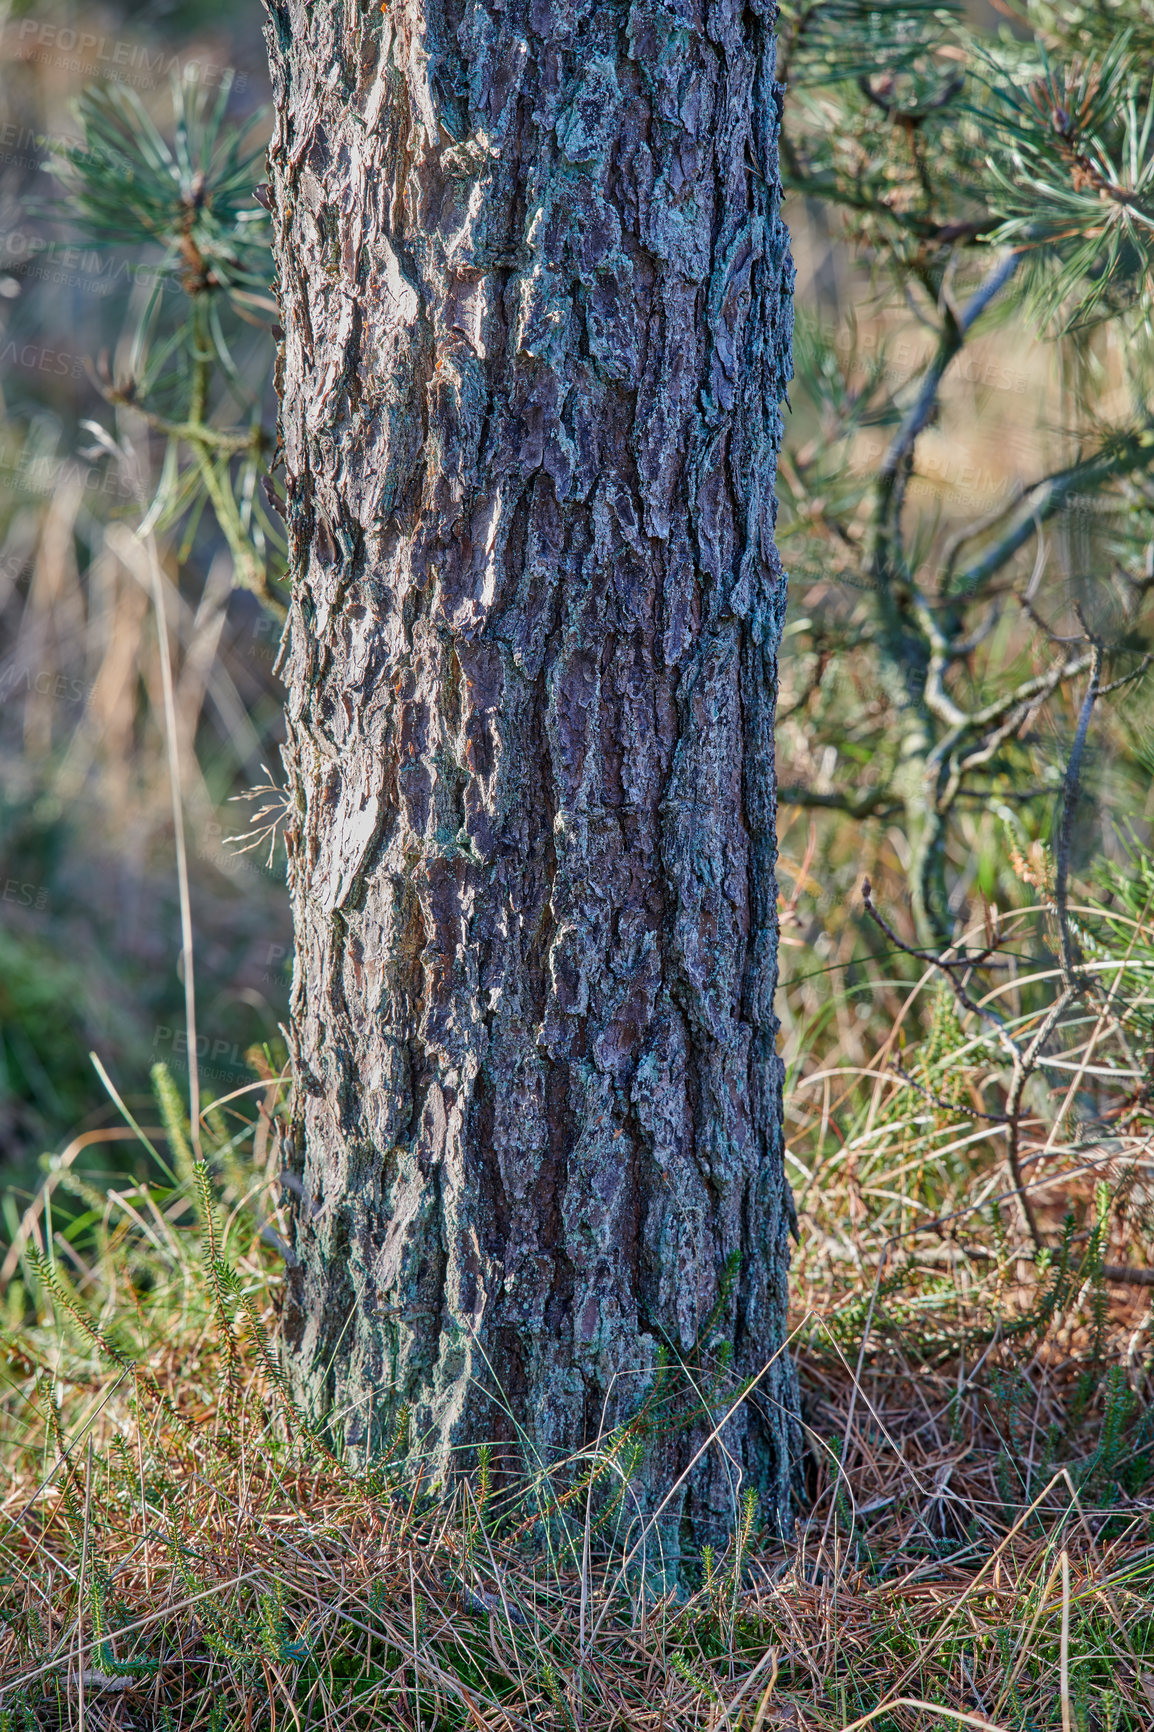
x=536, y=298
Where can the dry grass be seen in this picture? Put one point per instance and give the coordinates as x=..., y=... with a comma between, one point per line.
x=86, y=870
x=254, y=1588
x=977, y=1547
x=86, y=851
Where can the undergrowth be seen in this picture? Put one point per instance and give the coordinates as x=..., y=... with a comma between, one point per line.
x=181, y=1549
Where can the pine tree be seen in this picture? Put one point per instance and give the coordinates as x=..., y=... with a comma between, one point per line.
x=536, y=306
x=985, y=178
x=536, y=301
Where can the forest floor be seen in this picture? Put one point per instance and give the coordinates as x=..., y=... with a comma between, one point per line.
x=976, y=1546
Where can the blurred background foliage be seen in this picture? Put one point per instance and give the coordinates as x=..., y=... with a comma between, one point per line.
x=136, y=355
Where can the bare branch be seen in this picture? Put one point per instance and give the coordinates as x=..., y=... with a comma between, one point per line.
x=1066, y=826
x=1040, y=686
x=827, y=186
x=1006, y=716
x=948, y=966
x=1044, y=625
x=960, y=648
x=964, y=766
x=944, y=1105
x=231, y=440
x=812, y=685
x=1043, y=498
x=1025, y=1063
x=954, y=544
x=864, y=806
x=1127, y=679
x=993, y=285
x=952, y=337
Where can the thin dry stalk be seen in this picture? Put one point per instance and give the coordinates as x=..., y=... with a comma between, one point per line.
x=172, y=742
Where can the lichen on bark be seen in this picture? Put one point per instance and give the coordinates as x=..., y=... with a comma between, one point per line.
x=535, y=291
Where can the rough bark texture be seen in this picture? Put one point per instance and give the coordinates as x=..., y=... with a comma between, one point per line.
x=536, y=302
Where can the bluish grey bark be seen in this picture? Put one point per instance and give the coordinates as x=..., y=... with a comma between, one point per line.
x=536, y=301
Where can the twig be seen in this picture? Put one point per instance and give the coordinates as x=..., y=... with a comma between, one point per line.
x=1045, y=497
x=1127, y=679
x=1025, y=1059
x=955, y=1714
x=954, y=543
x=912, y=116
x=945, y=1105
x=866, y=805
x=1041, y=685
x=229, y=440
x=1069, y=804
x=921, y=412
x=945, y=964
x=181, y=851
x=1023, y=1063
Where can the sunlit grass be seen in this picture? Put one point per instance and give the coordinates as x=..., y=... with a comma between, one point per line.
x=181, y=1548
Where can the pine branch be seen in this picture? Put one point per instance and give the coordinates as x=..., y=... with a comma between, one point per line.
x=867, y=805
x=932, y=231
x=1125, y=453
x=229, y=441
x=890, y=483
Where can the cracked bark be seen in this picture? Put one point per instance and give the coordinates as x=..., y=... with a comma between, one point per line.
x=535, y=292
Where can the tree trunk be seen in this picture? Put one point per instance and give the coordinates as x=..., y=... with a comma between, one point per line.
x=536, y=301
